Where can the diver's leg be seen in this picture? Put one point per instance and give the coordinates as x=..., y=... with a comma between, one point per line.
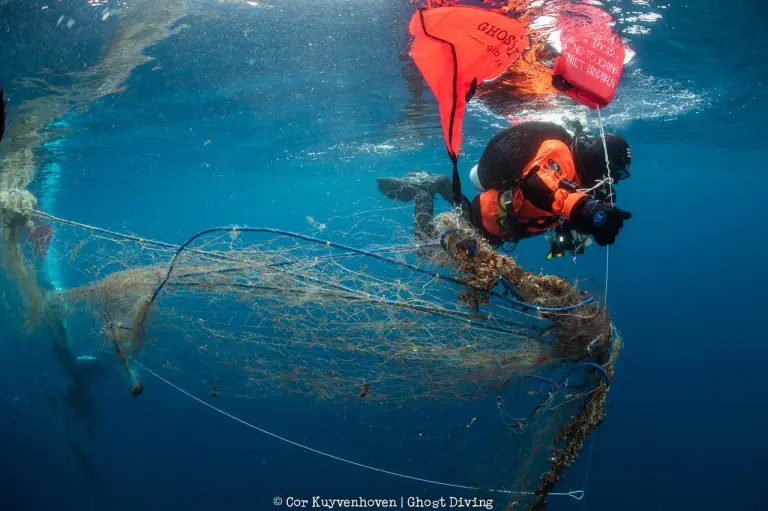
x=420, y=187
x=406, y=188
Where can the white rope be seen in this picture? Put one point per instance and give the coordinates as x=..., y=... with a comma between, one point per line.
x=577, y=494
x=609, y=180
x=610, y=196
x=589, y=461
x=600, y=183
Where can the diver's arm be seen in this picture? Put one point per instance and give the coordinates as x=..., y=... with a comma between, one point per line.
x=547, y=191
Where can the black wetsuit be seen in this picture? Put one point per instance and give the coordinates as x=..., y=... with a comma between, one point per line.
x=510, y=150
x=501, y=164
x=500, y=167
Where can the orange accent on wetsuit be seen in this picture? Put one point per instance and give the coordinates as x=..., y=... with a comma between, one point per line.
x=553, y=162
x=491, y=212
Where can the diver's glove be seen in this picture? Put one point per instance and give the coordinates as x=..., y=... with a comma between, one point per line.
x=599, y=219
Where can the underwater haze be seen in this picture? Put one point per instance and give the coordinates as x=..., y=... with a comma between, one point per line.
x=165, y=118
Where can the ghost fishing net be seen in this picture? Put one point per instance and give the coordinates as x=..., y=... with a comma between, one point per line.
x=259, y=312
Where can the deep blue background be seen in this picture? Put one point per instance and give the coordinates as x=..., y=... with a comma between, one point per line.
x=299, y=129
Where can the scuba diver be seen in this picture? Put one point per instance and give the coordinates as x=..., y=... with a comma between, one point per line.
x=534, y=177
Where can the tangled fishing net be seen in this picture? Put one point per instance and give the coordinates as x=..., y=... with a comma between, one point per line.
x=258, y=312
x=352, y=318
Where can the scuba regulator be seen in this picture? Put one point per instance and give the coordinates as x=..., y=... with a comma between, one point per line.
x=563, y=239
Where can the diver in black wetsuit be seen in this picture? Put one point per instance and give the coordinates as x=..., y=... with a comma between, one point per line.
x=531, y=177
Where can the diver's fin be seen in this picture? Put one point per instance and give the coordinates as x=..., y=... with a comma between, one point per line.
x=406, y=188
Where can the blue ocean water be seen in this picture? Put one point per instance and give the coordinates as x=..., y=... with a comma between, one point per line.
x=267, y=115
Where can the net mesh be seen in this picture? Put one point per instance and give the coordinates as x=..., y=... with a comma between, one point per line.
x=522, y=361
x=259, y=312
